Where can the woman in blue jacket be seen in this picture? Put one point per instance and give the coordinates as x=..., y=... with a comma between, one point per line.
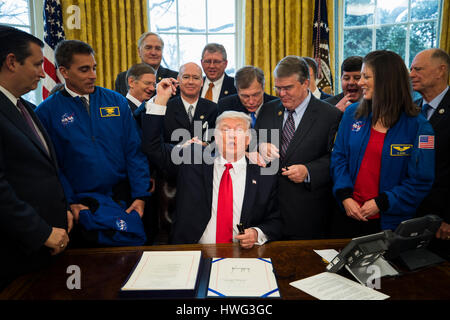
x=382, y=163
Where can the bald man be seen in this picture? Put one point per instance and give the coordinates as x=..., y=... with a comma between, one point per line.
x=430, y=77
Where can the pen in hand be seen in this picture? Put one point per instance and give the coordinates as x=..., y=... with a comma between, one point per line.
x=240, y=227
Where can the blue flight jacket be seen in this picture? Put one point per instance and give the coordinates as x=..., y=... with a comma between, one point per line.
x=407, y=165
x=97, y=151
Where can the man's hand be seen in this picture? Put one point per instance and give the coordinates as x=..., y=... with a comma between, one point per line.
x=76, y=208
x=248, y=239
x=443, y=231
x=353, y=210
x=256, y=158
x=57, y=241
x=165, y=89
x=137, y=205
x=268, y=151
x=296, y=173
x=344, y=103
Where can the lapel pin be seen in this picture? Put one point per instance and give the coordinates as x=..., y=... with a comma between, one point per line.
x=441, y=111
x=202, y=117
x=254, y=181
x=225, y=92
x=280, y=113
x=159, y=78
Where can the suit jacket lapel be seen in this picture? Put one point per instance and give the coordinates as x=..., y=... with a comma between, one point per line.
x=307, y=122
x=438, y=115
x=11, y=112
x=251, y=188
x=181, y=114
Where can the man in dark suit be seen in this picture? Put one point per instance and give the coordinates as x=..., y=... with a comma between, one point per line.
x=313, y=74
x=351, y=91
x=217, y=84
x=34, y=216
x=215, y=191
x=150, y=49
x=430, y=76
x=141, y=81
x=306, y=127
x=188, y=111
x=249, y=82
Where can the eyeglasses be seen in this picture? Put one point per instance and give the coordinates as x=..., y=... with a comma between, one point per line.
x=248, y=96
x=285, y=89
x=186, y=77
x=213, y=62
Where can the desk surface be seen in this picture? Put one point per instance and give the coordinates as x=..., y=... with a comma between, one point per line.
x=104, y=270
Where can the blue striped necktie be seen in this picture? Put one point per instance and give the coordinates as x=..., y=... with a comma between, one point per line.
x=287, y=134
x=425, y=109
x=253, y=116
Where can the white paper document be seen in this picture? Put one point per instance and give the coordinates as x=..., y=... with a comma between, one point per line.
x=327, y=254
x=242, y=277
x=165, y=270
x=331, y=286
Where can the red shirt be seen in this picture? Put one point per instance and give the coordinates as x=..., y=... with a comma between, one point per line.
x=368, y=179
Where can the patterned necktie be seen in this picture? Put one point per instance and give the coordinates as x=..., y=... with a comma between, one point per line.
x=30, y=123
x=209, y=94
x=253, y=116
x=191, y=113
x=425, y=109
x=224, y=225
x=86, y=104
x=287, y=134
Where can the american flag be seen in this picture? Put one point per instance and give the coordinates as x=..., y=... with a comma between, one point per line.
x=321, y=44
x=426, y=142
x=53, y=33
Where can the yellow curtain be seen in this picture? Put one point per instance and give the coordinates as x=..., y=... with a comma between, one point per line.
x=111, y=27
x=445, y=28
x=277, y=28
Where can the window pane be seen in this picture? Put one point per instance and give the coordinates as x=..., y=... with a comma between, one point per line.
x=357, y=42
x=191, y=47
x=359, y=12
x=424, y=9
x=389, y=11
x=170, y=56
x=392, y=38
x=423, y=36
x=163, y=16
x=228, y=42
x=14, y=12
x=221, y=16
x=192, y=15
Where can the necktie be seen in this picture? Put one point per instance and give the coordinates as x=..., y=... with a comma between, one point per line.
x=224, y=226
x=191, y=113
x=253, y=116
x=209, y=94
x=425, y=109
x=86, y=104
x=30, y=123
x=287, y=134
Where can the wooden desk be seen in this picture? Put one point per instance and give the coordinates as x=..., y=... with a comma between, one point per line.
x=104, y=270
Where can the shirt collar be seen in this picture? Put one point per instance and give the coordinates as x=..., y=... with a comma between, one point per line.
x=242, y=162
x=187, y=104
x=437, y=100
x=9, y=95
x=74, y=94
x=133, y=99
x=218, y=82
x=317, y=93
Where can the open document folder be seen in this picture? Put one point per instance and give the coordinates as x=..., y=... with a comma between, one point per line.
x=165, y=274
x=242, y=277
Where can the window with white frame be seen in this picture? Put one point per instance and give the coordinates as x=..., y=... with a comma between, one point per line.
x=27, y=16
x=186, y=26
x=403, y=26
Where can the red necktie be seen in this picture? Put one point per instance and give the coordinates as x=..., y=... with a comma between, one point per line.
x=224, y=227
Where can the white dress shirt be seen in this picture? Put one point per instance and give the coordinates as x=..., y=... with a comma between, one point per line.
x=215, y=90
x=238, y=176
